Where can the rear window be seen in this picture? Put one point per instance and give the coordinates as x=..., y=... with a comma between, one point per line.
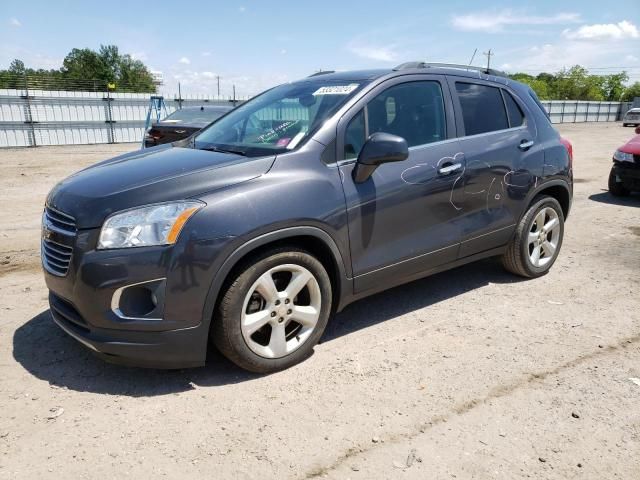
x=195, y=115
x=482, y=108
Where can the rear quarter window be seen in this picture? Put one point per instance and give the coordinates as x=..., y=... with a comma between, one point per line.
x=516, y=117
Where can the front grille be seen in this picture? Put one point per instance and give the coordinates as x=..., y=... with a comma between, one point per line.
x=56, y=257
x=59, y=231
x=60, y=221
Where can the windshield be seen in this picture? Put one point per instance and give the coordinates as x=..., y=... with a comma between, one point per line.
x=278, y=120
x=195, y=115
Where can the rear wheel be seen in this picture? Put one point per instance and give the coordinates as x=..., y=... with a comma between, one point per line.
x=274, y=311
x=536, y=244
x=616, y=188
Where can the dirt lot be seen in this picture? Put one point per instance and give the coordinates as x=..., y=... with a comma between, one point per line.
x=472, y=373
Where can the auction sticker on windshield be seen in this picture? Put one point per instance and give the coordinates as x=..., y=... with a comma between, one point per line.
x=336, y=89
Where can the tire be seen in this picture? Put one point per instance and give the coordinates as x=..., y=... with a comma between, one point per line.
x=530, y=235
x=258, y=296
x=615, y=188
x=625, y=124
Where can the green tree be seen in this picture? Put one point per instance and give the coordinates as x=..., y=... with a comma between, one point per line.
x=613, y=86
x=85, y=64
x=17, y=67
x=538, y=86
x=631, y=92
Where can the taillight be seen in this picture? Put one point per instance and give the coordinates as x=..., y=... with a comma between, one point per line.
x=153, y=134
x=569, y=148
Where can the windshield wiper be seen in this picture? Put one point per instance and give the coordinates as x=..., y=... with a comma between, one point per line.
x=225, y=150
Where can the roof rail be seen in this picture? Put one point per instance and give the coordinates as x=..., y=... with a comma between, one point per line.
x=321, y=72
x=412, y=65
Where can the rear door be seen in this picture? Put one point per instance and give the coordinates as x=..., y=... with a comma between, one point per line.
x=503, y=161
x=401, y=220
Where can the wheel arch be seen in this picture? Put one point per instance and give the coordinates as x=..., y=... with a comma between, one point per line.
x=558, y=189
x=312, y=239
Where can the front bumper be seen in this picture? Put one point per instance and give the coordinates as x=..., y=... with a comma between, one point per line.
x=173, y=333
x=628, y=175
x=168, y=349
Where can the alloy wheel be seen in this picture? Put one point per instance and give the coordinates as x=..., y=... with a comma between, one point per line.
x=543, y=237
x=281, y=310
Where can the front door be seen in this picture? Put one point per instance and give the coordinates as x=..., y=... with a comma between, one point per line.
x=403, y=219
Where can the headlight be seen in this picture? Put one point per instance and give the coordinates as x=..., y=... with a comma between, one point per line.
x=623, y=156
x=142, y=227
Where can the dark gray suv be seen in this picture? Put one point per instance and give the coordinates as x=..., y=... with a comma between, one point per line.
x=306, y=198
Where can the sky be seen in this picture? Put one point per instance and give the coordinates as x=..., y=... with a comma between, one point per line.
x=255, y=44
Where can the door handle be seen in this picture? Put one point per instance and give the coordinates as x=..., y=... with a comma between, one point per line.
x=525, y=145
x=450, y=168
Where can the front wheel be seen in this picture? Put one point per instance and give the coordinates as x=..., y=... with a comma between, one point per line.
x=536, y=244
x=274, y=311
x=616, y=188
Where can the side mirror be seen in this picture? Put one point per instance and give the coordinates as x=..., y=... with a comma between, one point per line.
x=378, y=149
x=638, y=130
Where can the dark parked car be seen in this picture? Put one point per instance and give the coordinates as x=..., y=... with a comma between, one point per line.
x=183, y=123
x=310, y=196
x=624, y=177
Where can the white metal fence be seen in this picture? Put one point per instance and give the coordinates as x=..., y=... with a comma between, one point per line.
x=572, y=111
x=39, y=117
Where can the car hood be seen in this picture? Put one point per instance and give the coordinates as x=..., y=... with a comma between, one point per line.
x=632, y=146
x=153, y=175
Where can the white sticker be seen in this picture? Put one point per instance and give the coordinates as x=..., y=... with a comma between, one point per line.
x=336, y=89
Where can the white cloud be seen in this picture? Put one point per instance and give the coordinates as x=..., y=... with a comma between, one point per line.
x=496, y=21
x=631, y=58
x=283, y=52
x=15, y=22
x=373, y=52
x=185, y=61
x=206, y=54
x=616, y=31
x=242, y=9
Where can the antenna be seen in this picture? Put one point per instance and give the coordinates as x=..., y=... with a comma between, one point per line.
x=473, y=56
x=488, y=54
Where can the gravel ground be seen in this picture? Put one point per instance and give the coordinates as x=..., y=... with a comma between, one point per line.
x=471, y=373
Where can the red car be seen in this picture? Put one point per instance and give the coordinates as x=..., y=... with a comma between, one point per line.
x=625, y=173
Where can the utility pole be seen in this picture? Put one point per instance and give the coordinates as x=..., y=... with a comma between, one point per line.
x=488, y=55
x=218, y=80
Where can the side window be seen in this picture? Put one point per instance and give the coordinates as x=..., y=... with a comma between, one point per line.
x=354, y=136
x=482, y=108
x=413, y=111
x=516, y=117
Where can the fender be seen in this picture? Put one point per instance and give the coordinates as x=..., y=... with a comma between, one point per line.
x=550, y=183
x=345, y=287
